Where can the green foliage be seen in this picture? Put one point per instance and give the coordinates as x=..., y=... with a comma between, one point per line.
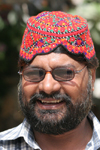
x=91, y=12
x=10, y=41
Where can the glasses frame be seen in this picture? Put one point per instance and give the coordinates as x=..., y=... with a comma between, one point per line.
x=45, y=72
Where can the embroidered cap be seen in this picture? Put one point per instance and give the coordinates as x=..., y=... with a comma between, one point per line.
x=48, y=30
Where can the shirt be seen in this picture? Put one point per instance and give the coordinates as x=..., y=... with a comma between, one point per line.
x=22, y=138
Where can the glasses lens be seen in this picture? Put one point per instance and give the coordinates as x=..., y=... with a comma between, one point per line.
x=63, y=74
x=34, y=74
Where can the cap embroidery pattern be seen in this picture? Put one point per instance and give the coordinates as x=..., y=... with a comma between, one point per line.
x=48, y=30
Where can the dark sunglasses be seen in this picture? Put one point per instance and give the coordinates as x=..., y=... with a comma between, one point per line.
x=34, y=74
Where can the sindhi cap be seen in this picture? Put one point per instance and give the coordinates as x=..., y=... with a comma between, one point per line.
x=48, y=30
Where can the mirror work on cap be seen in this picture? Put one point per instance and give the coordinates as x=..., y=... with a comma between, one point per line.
x=48, y=30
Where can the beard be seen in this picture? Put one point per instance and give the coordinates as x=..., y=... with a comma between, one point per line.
x=48, y=121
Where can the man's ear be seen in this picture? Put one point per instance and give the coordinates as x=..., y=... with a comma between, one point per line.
x=93, y=74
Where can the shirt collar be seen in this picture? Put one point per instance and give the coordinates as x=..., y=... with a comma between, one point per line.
x=23, y=130
x=94, y=143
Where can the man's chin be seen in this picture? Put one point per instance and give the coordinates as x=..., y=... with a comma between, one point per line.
x=49, y=116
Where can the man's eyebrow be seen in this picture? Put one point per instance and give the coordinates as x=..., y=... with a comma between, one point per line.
x=66, y=65
x=57, y=66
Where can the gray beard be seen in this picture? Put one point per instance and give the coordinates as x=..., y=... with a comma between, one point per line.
x=48, y=122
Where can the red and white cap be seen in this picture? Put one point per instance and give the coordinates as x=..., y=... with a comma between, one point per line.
x=48, y=30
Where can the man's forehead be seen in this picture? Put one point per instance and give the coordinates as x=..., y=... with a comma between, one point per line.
x=54, y=59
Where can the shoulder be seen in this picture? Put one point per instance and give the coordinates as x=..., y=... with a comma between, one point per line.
x=18, y=137
x=10, y=133
x=22, y=130
x=95, y=140
x=94, y=119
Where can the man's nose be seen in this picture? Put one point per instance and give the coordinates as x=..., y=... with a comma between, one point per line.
x=49, y=84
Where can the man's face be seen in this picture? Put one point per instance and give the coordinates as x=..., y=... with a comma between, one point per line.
x=55, y=107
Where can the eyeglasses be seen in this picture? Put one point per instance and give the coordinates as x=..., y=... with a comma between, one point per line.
x=34, y=74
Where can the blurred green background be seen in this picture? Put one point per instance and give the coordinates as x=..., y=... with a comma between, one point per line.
x=13, y=17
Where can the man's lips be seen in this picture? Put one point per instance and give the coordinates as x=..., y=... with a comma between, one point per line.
x=49, y=103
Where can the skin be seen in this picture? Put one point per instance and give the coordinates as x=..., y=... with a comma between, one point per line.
x=73, y=88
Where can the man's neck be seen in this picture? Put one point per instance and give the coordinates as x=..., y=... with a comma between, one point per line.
x=76, y=139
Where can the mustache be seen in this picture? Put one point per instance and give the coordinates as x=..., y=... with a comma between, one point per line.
x=56, y=95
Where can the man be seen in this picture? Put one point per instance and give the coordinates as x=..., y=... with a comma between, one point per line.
x=57, y=67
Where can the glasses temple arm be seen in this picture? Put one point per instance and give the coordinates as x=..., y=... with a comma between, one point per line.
x=78, y=71
x=20, y=73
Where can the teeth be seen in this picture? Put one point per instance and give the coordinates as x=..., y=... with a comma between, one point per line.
x=55, y=101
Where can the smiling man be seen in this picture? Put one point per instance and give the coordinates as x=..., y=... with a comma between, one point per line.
x=57, y=67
